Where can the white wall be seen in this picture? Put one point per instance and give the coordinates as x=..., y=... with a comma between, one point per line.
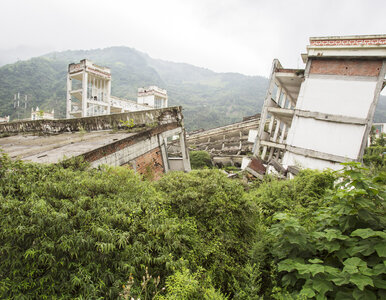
x=336, y=96
x=328, y=137
x=149, y=100
x=292, y=159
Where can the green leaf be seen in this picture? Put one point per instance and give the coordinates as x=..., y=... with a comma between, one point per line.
x=365, y=249
x=368, y=232
x=341, y=279
x=354, y=261
x=351, y=269
x=364, y=295
x=289, y=279
x=308, y=292
x=381, y=249
x=361, y=281
x=334, y=234
x=315, y=261
x=286, y=265
x=315, y=269
x=320, y=297
x=332, y=246
x=280, y=216
x=379, y=283
x=322, y=286
x=343, y=296
x=379, y=269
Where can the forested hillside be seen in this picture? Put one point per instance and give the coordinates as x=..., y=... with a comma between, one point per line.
x=209, y=99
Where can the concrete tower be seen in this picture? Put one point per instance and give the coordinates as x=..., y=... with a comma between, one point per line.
x=88, y=90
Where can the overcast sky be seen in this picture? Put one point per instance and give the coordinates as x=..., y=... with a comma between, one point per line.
x=222, y=35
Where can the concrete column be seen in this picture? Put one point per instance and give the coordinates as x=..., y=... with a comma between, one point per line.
x=69, y=88
x=185, y=152
x=84, y=94
x=108, y=96
x=164, y=152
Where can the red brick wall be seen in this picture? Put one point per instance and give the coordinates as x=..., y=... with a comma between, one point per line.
x=346, y=67
x=150, y=164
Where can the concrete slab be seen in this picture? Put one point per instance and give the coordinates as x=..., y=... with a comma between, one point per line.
x=54, y=148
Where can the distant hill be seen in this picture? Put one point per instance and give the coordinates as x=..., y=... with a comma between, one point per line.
x=209, y=99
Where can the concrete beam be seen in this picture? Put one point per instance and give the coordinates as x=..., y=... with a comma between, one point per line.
x=318, y=154
x=330, y=117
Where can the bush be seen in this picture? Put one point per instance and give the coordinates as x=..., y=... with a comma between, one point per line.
x=342, y=254
x=303, y=194
x=222, y=215
x=69, y=233
x=185, y=285
x=200, y=159
x=374, y=157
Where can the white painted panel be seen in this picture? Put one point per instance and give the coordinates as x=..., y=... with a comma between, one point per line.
x=176, y=164
x=292, y=159
x=245, y=162
x=252, y=135
x=339, y=97
x=328, y=137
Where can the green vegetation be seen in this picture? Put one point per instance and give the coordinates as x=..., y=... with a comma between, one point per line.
x=200, y=159
x=375, y=154
x=340, y=251
x=69, y=232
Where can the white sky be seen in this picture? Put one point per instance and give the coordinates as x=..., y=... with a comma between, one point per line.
x=222, y=35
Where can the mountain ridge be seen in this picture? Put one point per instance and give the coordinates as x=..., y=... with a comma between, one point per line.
x=209, y=99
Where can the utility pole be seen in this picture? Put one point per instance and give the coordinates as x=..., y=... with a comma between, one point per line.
x=17, y=102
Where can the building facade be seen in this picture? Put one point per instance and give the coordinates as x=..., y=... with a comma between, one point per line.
x=321, y=116
x=37, y=114
x=153, y=96
x=89, y=93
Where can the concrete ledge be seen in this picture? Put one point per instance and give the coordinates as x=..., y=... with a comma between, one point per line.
x=105, y=122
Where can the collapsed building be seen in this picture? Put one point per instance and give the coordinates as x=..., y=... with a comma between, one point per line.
x=137, y=140
x=321, y=116
x=227, y=145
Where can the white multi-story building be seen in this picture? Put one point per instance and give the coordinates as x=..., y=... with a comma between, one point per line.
x=41, y=115
x=89, y=93
x=153, y=96
x=4, y=119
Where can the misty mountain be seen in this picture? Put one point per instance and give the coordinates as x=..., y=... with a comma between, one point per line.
x=209, y=99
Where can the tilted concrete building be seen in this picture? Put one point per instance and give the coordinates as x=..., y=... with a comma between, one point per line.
x=321, y=116
x=137, y=140
x=89, y=93
x=227, y=145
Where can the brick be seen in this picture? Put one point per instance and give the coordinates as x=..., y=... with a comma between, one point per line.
x=150, y=164
x=346, y=67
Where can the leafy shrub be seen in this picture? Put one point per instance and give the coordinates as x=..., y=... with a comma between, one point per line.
x=222, y=215
x=374, y=156
x=200, y=159
x=303, y=194
x=185, y=285
x=342, y=254
x=69, y=233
